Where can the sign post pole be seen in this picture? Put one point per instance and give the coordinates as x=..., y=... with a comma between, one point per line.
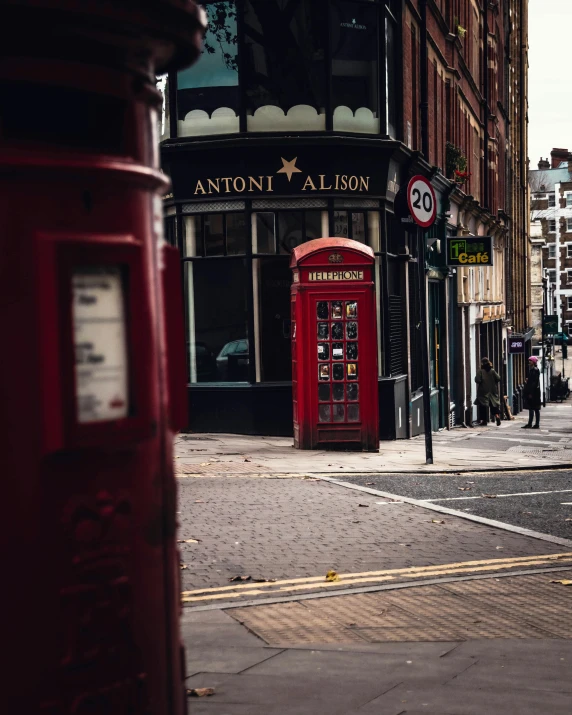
x=543, y=362
x=424, y=347
x=422, y=208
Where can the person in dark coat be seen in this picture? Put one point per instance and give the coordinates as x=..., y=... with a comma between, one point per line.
x=487, y=380
x=532, y=396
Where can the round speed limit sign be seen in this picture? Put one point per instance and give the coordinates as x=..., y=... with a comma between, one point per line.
x=421, y=201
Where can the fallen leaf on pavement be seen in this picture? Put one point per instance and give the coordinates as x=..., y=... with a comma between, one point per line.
x=199, y=692
x=369, y=484
x=564, y=582
x=264, y=580
x=464, y=489
x=356, y=522
x=366, y=505
x=437, y=521
x=248, y=460
x=240, y=578
x=188, y=541
x=183, y=567
x=332, y=576
x=205, y=464
x=499, y=548
x=567, y=519
x=199, y=501
x=470, y=482
x=490, y=496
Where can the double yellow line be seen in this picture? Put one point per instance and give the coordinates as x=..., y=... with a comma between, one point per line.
x=311, y=583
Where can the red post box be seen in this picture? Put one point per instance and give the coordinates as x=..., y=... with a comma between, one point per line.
x=92, y=359
x=334, y=345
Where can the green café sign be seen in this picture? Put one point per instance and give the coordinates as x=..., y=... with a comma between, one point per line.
x=470, y=251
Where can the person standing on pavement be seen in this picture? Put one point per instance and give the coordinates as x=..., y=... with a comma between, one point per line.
x=487, y=380
x=532, y=397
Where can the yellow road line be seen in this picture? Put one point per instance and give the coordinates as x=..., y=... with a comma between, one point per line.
x=299, y=584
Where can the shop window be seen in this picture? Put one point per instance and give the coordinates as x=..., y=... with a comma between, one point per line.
x=284, y=65
x=274, y=278
x=207, y=98
x=217, y=335
x=297, y=227
x=264, y=232
x=354, y=37
x=351, y=224
x=222, y=234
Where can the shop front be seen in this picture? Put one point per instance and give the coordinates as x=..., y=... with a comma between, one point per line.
x=236, y=213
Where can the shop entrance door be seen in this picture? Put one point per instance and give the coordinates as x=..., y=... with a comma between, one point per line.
x=436, y=363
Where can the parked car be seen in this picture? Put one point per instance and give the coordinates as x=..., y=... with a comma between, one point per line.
x=233, y=360
x=205, y=362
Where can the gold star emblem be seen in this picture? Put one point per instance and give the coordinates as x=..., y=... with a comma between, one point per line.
x=289, y=168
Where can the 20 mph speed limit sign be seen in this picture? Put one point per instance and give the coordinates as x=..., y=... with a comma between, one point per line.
x=421, y=201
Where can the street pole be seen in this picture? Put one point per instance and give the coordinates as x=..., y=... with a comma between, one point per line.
x=424, y=347
x=543, y=362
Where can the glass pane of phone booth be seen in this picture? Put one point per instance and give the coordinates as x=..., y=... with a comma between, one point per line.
x=337, y=332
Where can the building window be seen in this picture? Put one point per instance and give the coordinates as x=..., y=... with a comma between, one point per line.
x=552, y=226
x=569, y=251
x=569, y=225
x=569, y=276
x=569, y=303
x=208, y=95
x=569, y=200
x=284, y=65
x=551, y=200
x=552, y=276
x=552, y=251
x=354, y=37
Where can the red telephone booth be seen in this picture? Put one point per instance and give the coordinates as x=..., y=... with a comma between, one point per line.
x=92, y=378
x=334, y=345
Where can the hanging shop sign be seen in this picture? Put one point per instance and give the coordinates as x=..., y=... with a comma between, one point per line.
x=550, y=324
x=470, y=251
x=516, y=344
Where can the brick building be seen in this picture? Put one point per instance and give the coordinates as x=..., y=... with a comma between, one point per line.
x=551, y=223
x=291, y=94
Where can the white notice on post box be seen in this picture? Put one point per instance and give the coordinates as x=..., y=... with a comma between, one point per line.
x=100, y=344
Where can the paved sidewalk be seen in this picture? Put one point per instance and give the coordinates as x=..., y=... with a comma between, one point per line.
x=463, y=651
x=426, y=613
x=460, y=449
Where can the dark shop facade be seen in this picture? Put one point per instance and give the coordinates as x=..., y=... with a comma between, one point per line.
x=286, y=131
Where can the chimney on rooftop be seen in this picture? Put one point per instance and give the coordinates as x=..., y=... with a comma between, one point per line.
x=558, y=156
x=543, y=164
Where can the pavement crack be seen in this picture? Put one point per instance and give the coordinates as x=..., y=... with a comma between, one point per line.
x=383, y=693
x=460, y=673
x=282, y=650
x=451, y=650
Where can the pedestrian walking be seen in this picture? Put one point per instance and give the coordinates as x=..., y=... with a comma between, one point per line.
x=532, y=397
x=487, y=380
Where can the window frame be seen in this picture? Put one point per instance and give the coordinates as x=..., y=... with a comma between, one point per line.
x=387, y=111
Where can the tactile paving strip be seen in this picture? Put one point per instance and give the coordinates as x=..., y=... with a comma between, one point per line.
x=516, y=607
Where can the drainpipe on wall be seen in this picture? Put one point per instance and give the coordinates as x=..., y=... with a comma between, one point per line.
x=486, y=201
x=423, y=60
